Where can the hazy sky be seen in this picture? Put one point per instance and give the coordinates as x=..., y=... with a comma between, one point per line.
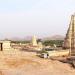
x=20, y=18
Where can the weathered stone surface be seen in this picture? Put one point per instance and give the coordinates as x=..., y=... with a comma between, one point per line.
x=70, y=36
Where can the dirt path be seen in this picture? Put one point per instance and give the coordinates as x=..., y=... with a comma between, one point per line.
x=28, y=64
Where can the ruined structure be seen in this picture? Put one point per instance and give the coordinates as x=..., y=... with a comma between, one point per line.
x=69, y=41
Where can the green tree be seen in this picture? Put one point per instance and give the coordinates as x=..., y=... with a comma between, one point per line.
x=52, y=42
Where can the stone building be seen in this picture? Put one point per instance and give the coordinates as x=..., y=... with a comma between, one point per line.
x=5, y=45
x=69, y=41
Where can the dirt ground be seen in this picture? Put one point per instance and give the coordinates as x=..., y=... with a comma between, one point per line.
x=27, y=63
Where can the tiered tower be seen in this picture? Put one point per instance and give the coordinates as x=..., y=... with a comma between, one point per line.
x=73, y=35
x=34, y=41
x=70, y=36
x=67, y=41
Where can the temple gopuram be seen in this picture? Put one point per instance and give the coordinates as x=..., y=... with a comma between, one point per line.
x=69, y=42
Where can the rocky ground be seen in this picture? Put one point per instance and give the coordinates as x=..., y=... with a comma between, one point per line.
x=27, y=63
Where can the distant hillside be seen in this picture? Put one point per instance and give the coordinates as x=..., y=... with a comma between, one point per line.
x=20, y=39
x=55, y=37
x=28, y=38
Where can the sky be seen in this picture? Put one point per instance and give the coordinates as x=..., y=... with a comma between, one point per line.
x=20, y=18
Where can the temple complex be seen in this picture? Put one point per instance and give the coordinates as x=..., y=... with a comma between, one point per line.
x=69, y=41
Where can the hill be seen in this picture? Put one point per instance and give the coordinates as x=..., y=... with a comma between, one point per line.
x=55, y=37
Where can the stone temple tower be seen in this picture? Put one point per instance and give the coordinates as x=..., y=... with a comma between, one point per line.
x=34, y=41
x=69, y=41
x=73, y=35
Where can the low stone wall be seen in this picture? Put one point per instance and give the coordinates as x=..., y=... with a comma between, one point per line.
x=59, y=53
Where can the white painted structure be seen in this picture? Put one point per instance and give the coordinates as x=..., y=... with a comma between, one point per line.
x=5, y=45
x=34, y=41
